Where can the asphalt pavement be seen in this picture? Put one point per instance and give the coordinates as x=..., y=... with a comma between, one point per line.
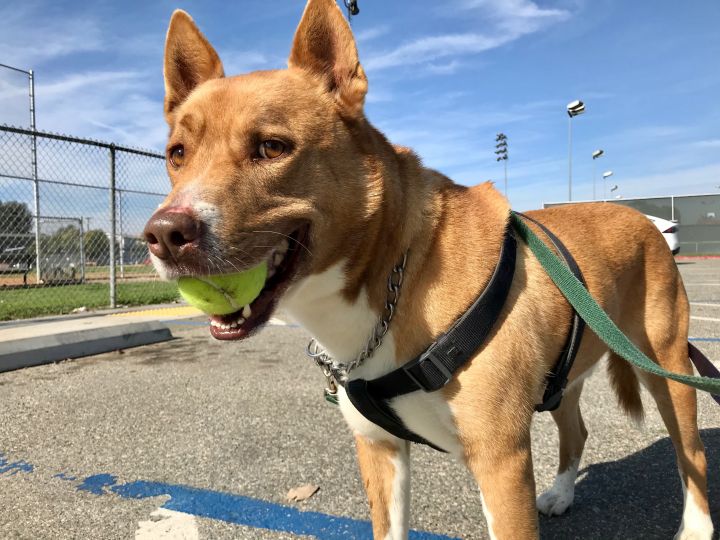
x=195, y=438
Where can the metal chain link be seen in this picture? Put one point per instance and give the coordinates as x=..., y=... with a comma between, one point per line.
x=337, y=372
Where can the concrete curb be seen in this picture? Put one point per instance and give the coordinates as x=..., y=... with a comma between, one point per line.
x=44, y=343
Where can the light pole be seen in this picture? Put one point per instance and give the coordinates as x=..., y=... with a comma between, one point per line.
x=596, y=154
x=574, y=108
x=352, y=9
x=502, y=152
x=606, y=175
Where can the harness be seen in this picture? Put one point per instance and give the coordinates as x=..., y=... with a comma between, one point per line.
x=437, y=365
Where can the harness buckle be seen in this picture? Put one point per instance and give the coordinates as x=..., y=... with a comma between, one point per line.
x=428, y=371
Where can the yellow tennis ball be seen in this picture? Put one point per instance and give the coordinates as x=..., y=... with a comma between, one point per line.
x=223, y=294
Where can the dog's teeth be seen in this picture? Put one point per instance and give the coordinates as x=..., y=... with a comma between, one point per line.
x=284, y=246
x=240, y=321
x=246, y=311
x=225, y=326
x=213, y=322
x=233, y=324
x=277, y=259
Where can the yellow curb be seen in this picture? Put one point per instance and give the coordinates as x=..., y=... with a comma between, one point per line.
x=179, y=311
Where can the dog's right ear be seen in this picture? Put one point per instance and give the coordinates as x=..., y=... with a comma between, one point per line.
x=324, y=45
x=189, y=60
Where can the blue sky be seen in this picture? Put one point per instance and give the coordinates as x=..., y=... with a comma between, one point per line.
x=445, y=77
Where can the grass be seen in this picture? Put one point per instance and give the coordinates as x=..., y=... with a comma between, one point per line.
x=35, y=302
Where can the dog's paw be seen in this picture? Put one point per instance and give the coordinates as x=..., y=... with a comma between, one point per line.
x=555, y=500
x=702, y=530
x=694, y=535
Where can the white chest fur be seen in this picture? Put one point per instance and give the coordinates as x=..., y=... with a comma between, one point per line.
x=343, y=328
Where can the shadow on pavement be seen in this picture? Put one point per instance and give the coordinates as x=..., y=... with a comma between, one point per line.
x=636, y=497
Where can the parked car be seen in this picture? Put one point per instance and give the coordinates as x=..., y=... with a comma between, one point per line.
x=669, y=229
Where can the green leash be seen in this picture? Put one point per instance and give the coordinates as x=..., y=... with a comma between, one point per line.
x=595, y=317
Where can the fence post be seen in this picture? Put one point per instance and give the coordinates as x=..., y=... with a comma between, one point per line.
x=672, y=208
x=82, y=251
x=36, y=185
x=113, y=292
x=121, y=243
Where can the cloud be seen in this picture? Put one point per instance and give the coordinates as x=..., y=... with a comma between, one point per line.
x=679, y=181
x=707, y=143
x=435, y=47
x=443, y=69
x=237, y=62
x=374, y=32
x=513, y=9
x=507, y=20
x=29, y=38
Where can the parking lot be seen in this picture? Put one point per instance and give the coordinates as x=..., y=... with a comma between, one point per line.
x=195, y=438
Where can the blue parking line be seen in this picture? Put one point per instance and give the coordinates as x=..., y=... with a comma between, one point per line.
x=228, y=507
x=711, y=339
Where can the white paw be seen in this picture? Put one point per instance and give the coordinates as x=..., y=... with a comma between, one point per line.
x=555, y=500
x=701, y=529
x=705, y=534
x=696, y=524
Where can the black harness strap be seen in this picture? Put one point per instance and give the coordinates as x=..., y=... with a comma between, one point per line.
x=557, y=378
x=435, y=367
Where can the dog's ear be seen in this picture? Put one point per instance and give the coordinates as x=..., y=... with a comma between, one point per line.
x=324, y=45
x=189, y=60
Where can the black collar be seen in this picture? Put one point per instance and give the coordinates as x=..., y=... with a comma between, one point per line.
x=434, y=368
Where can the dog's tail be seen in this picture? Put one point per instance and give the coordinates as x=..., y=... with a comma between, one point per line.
x=627, y=387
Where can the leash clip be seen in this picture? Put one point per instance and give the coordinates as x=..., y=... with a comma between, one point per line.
x=331, y=390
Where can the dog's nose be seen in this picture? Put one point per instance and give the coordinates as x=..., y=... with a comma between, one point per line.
x=168, y=231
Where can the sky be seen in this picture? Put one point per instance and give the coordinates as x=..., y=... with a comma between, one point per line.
x=445, y=78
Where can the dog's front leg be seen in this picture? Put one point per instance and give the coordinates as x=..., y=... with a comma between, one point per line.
x=385, y=470
x=504, y=473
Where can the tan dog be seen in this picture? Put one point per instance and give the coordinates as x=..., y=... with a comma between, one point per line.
x=257, y=159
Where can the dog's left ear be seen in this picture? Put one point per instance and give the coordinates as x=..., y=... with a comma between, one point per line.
x=324, y=45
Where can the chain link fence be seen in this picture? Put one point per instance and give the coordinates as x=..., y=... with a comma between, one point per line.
x=72, y=213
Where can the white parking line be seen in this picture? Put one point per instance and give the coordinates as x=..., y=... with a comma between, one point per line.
x=704, y=319
x=706, y=304
x=168, y=525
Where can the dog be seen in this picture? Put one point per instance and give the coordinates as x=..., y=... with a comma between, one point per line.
x=283, y=166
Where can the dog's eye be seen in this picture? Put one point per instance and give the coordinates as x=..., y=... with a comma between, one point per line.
x=271, y=149
x=177, y=155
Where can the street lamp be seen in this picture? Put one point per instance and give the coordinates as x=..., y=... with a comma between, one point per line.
x=574, y=108
x=501, y=150
x=352, y=9
x=596, y=154
x=606, y=174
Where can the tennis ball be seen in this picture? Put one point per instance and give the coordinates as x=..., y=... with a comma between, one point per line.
x=223, y=293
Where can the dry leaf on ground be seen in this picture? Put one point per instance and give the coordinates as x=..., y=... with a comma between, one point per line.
x=302, y=493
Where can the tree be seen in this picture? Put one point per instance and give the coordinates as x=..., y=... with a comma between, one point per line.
x=97, y=247
x=16, y=225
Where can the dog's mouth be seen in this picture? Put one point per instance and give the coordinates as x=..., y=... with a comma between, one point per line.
x=283, y=265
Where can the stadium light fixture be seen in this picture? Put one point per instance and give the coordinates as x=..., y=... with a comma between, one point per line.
x=596, y=154
x=574, y=108
x=606, y=175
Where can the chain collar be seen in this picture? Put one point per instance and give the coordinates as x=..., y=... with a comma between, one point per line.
x=337, y=372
